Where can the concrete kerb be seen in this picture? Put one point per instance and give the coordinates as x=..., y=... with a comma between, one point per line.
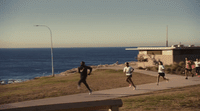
x=112, y=105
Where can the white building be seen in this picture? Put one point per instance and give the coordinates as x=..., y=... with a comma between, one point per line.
x=149, y=56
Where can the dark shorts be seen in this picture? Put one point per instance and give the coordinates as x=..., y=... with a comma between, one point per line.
x=197, y=69
x=128, y=75
x=162, y=74
x=188, y=69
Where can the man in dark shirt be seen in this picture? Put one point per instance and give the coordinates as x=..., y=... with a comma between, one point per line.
x=83, y=71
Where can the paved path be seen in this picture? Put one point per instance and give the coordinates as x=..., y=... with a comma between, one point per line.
x=175, y=81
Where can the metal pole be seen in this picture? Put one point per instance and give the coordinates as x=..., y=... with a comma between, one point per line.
x=51, y=47
x=167, y=36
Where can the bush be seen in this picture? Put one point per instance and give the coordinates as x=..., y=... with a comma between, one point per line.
x=175, y=65
x=148, y=68
x=181, y=64
x=175, y=68
x=168, y=65
x=178, y=70
x=140, y=67
x=154, y=68
x=168, y=70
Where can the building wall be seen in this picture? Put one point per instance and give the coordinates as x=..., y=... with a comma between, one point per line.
x=180, y=55
x=179, y=58
x=169, y=56
x=143, y=52
x=145, y=64
x=166, y=59
x=167, y=52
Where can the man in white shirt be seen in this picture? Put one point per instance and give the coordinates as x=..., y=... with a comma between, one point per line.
x=197, y=65
x=128, y=71
x=161, y=72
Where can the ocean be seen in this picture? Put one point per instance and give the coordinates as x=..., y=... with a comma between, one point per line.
x=27, y=63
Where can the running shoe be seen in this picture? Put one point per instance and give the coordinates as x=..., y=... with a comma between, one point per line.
x=90, y=92
x=186, y=78
x=78, y=87
x=129, y=85
x=134, y=88
x=192, y=75
x=198, y=76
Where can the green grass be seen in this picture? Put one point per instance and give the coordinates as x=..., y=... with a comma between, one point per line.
x=45, y=87
x=171, y=99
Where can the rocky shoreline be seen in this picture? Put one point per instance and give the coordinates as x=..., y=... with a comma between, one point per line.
x=75, y=70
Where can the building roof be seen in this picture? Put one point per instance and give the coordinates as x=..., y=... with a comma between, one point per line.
x=151, y=48
x=173, y=47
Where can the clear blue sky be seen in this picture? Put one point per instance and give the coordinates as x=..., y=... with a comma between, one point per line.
x=98, y=23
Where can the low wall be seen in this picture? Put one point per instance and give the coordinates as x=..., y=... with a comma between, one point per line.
x=112, y=105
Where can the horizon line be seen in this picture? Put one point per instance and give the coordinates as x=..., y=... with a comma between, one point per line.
x=77, y=47
x=92, y=46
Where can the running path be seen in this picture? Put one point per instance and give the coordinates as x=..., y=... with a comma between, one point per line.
x=175, y=81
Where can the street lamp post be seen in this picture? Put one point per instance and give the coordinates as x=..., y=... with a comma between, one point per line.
x=51, y=46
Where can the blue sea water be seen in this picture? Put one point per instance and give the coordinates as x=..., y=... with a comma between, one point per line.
x=28, y=63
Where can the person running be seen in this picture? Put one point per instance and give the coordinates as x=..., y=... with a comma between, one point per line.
x=188, y=68
x=161, y=72
x=83, y=71
x=128, y=71
x=197, y=65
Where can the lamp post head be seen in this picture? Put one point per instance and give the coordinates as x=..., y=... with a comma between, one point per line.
x=36, y=25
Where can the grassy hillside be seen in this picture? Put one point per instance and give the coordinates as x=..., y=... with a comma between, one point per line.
x=65, y=85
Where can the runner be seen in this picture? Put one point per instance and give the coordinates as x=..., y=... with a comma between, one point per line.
x=84, y=74
x=128, y=71
x=188, y=68
x=161, y=72
x=197, y=65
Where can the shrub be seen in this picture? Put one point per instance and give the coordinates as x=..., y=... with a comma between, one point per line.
x=148, y=68
x=154, y=68
x=181, y=64
x=178, y=70
x=175, y=68
x=168, y=70
x=140, y=67
x=168, y=65
x=174, y=65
